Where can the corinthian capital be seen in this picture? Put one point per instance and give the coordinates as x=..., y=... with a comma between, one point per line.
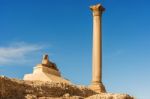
x=97, y=9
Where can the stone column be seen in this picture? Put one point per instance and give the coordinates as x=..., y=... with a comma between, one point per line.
x=97, y=84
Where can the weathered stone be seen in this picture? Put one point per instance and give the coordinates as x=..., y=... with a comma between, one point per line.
x=20, y=89
x=110, y=96
x=97, y=84
x=66, y=95
x=46, y=71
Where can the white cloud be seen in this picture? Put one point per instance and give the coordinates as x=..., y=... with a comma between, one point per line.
x=17, y=53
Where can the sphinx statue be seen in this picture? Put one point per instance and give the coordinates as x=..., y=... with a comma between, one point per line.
x=46, y=71
x=47, y=63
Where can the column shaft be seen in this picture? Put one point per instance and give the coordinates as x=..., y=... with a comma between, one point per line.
x=97, y=84
x=97, y=50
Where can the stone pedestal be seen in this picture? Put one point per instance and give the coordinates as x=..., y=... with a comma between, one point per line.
x=98, y=87
x=46, y=71
x=97, y=84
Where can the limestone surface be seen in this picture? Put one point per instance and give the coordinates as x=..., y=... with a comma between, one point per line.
x=20, y=89
x=110, y=96
x=46, y=71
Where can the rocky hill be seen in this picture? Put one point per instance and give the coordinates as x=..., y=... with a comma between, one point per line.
x=20, y=89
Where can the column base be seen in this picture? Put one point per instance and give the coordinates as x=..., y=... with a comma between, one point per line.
x=98, y=87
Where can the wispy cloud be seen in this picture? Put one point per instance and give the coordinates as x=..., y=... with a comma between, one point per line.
x=17, y=53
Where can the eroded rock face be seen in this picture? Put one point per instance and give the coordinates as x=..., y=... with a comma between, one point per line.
x=110, y=96
x=20, y=89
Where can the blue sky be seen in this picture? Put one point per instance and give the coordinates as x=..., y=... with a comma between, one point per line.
x=63, y=29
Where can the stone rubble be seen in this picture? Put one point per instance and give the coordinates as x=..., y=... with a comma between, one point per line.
x=110, y=96
x=20, y=89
